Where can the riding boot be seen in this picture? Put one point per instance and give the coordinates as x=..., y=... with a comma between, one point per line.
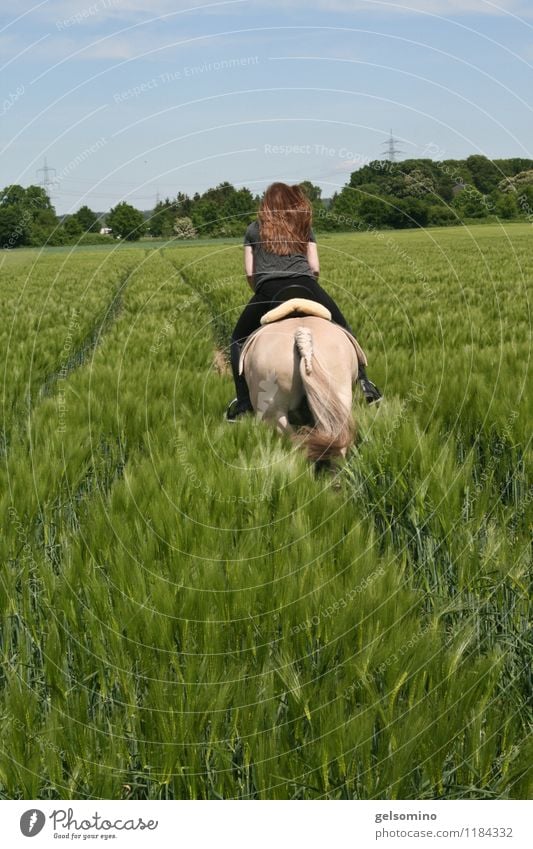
x=370, y=390
x=242, y=403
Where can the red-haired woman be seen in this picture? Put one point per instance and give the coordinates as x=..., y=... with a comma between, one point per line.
x=279, y=251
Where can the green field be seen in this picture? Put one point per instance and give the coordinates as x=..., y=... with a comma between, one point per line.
x=188, y=611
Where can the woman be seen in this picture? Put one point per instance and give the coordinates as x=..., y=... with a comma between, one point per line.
x=279, y=251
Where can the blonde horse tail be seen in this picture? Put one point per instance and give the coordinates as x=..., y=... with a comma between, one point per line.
x=333, y=431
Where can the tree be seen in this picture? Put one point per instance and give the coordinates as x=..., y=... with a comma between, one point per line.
x=37, y=199
x=238, y=211
x=470, y=203
x=379, y=172
x=374, y=211
x=165, y=212
x=126, y=221
x=408, y=212
x=484, y=173
x=525, y=201
x=510, y=167
x=514, y=184
x=441, y=215
x=45, y=229
x=206, y=215
x=184, y=229
x=220, y=194
x=343, y=213
x=313, y=192
x=162, y=218
x=14, y=226
x=14, y=195
x=87, y=219
x=417, y=184
x=184, y=204
x=28, y=217
x=506, y=206
x=72, y=226
x=325, y=219
x=222, y=211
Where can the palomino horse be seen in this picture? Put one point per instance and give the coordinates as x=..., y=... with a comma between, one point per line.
x=293, y=360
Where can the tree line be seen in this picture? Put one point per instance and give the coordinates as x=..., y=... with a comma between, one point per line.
x=381, y=194
x=421, y=192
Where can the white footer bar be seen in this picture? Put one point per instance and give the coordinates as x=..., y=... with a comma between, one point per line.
x=260, y=824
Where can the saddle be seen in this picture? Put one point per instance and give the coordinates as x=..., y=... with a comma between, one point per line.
x=295, y=307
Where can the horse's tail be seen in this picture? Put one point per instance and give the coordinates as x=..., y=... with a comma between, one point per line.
x=333, y=431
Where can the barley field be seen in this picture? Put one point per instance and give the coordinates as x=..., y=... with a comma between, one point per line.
x=188, y=611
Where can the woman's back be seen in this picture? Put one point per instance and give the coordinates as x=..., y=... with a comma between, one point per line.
x=269, y=265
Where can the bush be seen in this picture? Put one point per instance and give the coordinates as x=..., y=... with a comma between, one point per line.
x=43, y=236
x=93, y=239
x=406, y=212
x=14, y=226
x=441, y=215
x=184, y=229
x=506, y=206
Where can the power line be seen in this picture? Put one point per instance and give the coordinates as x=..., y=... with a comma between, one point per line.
x=73, y=179
x=48, y=181
x=392, y=151
x=88, y=193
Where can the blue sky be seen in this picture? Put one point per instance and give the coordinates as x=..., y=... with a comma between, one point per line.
x=128, y=99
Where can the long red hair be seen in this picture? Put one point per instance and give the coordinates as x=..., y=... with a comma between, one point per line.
x=285, y=218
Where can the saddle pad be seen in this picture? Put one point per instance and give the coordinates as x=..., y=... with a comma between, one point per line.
x=301, y=305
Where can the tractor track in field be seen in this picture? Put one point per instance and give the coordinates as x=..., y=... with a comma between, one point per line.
x=110, y=456
x=219, y=329
x=103, y=324
x=73, y=361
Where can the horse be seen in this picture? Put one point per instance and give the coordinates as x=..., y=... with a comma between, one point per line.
x=300, y=368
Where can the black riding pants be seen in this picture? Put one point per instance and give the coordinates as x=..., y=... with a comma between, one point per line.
x=261, y=303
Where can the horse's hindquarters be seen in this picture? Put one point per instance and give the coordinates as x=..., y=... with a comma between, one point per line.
x=280, y=374
x=272, y=371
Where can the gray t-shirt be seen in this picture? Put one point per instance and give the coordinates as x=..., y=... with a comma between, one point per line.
x=270, y=266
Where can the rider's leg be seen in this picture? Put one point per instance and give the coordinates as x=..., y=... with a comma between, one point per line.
x=241, y=387
x=249, y=320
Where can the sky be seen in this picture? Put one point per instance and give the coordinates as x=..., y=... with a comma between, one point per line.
x=129, y=100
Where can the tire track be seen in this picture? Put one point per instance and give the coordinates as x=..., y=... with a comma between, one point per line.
x=79, y=357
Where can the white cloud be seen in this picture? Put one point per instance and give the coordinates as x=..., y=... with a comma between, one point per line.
x=134, y=10
x=106, y=29
x=96, y=12
x=121, y=29
x=448, y=8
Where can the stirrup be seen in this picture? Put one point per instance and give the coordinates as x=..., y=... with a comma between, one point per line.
x=370, y=391
x=237, y=409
